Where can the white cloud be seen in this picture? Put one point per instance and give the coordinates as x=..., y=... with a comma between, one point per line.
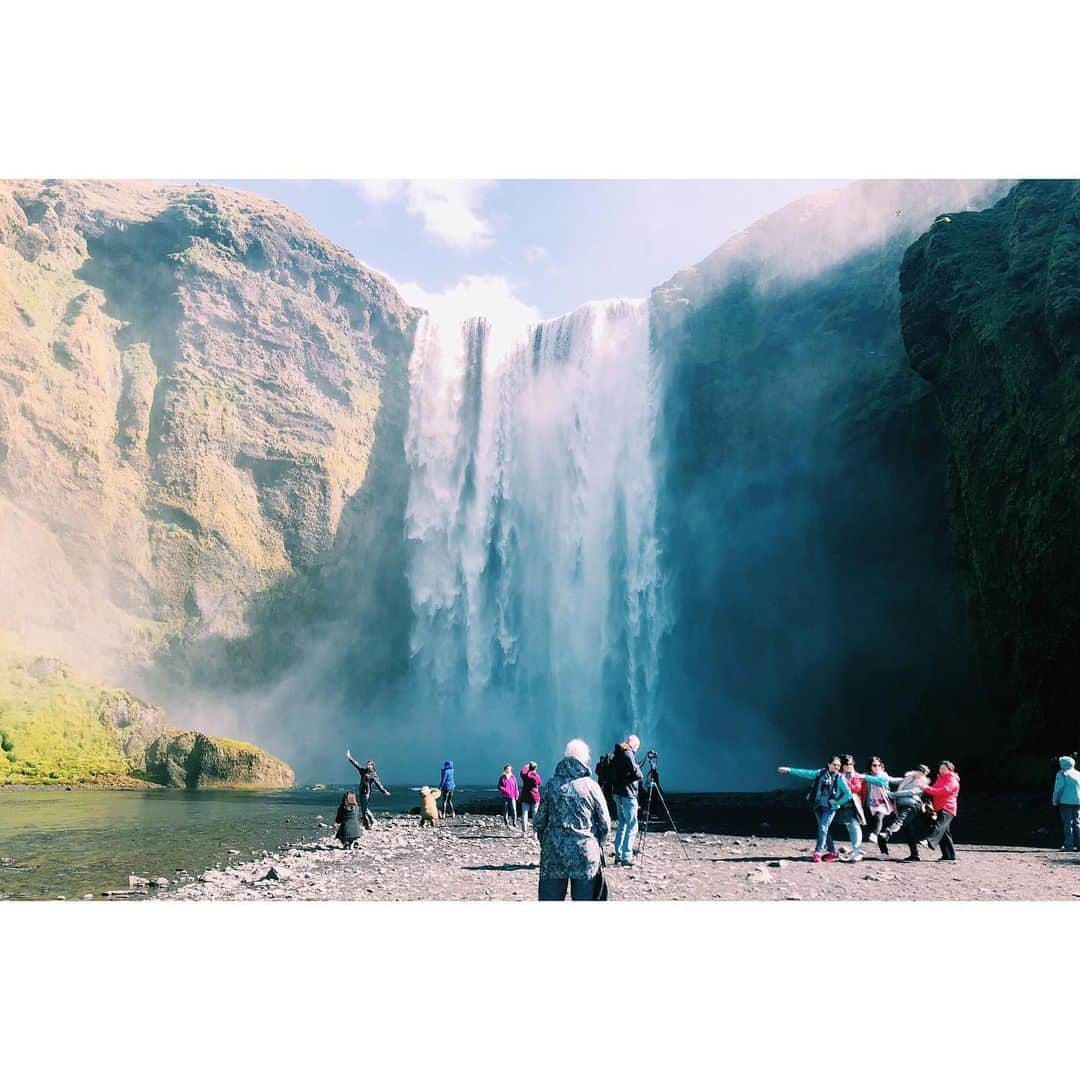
x=451, y=209
x=380, y=190
x=475, y=294
x=535, y=253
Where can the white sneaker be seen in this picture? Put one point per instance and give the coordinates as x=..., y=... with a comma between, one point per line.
x=856, y=856
x=872, y=837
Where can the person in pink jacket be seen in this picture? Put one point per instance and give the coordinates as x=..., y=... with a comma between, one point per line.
x=509, y=790
x=944, y=791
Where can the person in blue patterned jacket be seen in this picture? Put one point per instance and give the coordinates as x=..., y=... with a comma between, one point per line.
x=572, y=823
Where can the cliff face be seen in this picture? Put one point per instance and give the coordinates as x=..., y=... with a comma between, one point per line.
x=199, y=402
x=991, y=320
x=806, y=532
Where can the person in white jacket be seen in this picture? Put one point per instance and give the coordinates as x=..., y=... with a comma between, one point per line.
x=1067, y=799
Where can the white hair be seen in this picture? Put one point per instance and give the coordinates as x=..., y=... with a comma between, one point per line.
x=633, y=741
x=579, y=750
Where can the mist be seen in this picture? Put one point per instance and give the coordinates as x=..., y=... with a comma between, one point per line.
x=715, y=517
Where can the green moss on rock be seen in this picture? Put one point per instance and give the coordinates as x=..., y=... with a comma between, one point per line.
x=991, y=318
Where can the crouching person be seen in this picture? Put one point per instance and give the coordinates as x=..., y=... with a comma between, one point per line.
x=348, y=820
x=572, y=823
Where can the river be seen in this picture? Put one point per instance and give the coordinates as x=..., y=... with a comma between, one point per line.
x=70, y=843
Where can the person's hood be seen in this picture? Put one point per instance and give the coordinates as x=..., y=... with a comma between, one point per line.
x=570, y=769
x=447, y=764
x=1066, y=763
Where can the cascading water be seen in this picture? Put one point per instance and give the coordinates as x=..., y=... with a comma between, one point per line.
x=533, y=555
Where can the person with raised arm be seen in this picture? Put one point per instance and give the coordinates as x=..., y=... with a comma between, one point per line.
x=369, y=778
x=828, y=792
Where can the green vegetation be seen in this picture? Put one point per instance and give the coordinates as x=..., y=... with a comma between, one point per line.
x=58, y=727
x=51, y=729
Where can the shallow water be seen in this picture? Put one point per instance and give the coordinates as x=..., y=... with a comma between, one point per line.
x=78, y=842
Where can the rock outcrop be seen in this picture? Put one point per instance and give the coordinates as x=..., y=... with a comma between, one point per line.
x=806, y=532
x=191, y=760
x=200, y=400
x=991, y=320
x=59, y=727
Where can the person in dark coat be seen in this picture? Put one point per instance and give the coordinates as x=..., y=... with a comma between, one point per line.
x=626, y=776
x=348, y=820
x=369, y=778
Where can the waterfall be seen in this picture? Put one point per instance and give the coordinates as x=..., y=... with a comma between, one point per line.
x=531, y=527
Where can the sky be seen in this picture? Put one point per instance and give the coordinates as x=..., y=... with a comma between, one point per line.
x=529, y=249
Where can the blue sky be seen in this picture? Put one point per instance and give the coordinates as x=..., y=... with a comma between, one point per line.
x=539, y=247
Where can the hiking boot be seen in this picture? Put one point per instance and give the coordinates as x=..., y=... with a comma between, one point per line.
x=913, y=857
x=830, y=857
x=817, y=856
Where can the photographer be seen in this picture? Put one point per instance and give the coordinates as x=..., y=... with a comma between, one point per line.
x=627, y=777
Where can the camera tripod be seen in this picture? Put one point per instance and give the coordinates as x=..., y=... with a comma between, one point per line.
x=654, y=785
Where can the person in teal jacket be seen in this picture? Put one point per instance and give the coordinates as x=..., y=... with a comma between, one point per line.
x=827, y=794
x=1067, y=799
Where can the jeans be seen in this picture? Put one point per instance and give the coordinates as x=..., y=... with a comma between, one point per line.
x=941, y=836
x=580, y=888
x=625, y=827
x=855, y=835
x=824, y=815
x=509, y=812
x=366, y=815
x=527, y=809
x=1070, y=823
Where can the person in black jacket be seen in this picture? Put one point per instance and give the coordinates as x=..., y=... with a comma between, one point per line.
x=369, y=778
x=626, y=776
x=348, y=820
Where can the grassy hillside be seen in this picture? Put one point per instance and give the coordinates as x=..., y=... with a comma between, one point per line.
x=51, y=724
x=59, y=727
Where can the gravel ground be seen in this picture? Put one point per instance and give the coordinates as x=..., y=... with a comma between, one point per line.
x=476, y=857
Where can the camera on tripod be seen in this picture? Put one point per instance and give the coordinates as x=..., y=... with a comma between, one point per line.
x=651, y=785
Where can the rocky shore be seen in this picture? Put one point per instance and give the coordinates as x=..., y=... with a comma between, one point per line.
x=476, y=857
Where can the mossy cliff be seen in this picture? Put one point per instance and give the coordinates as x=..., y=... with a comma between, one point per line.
x=991, y=320
x=59, y=727
x=201, y=400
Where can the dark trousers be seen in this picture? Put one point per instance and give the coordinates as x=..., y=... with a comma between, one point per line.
x=1070, y=825
x=941, y=836
x=580, y=888
x=448, y=804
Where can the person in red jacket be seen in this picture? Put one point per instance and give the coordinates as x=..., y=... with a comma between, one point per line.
x=530, y=794
x=944, y=791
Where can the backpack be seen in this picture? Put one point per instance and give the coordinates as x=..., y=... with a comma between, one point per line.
x=824, y=779
x=603, y=770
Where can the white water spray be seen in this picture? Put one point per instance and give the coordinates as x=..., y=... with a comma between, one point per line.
x=531, y=522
